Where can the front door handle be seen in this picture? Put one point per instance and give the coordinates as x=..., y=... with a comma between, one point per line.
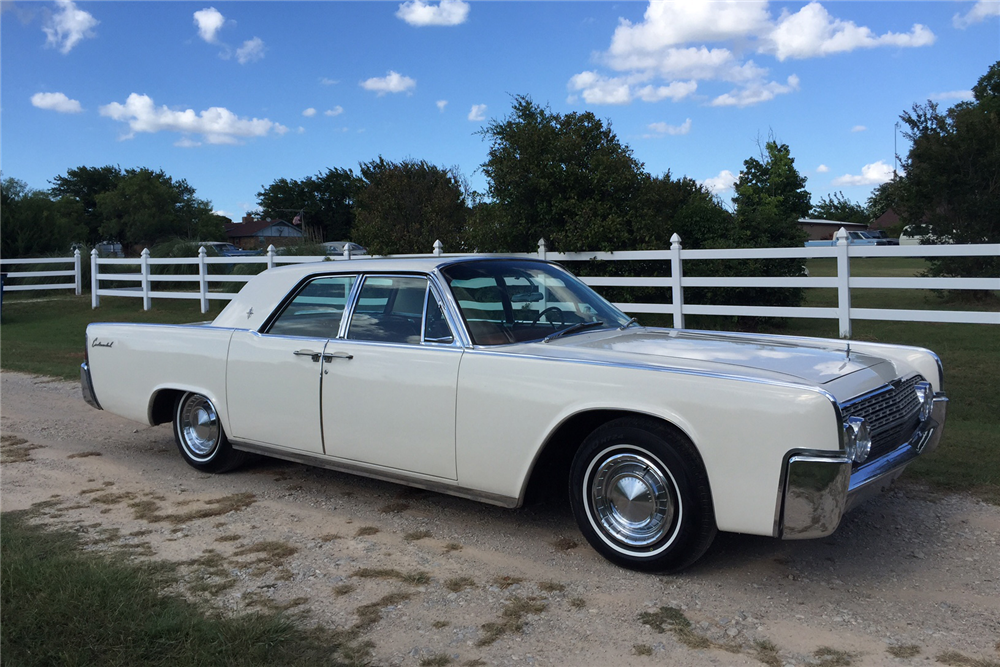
x=326, y=357
x=338, y=355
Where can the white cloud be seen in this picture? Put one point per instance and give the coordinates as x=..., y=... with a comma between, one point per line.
x=697, y=41
x=478, y=112
x=441, y=104
x=215, y=125
x=187, y=142
x=876, y=173
x=721, y=183
x=960, y=95
x=447, y=12
x=756, y=93
x=251, y=51
x=822, y=169
x=335, y=111
x=598, y=89
x=981, y=11
x=65, y=28
x=209, y=22
x=663, y=129
x=309, y=113
x=328, y=82
x=858, y=128
x=56, y=102
x=812, y=32
x=393, y=82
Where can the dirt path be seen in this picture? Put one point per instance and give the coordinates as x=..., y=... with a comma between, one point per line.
x=446, y=576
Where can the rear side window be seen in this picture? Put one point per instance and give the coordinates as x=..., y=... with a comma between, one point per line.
x=316, y=311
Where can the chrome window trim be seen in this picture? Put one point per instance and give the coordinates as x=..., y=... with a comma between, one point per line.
x=432, y=293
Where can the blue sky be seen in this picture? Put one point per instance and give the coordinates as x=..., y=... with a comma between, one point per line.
x=233, y=95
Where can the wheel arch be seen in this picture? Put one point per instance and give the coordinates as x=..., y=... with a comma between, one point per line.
x=553, y=460
x=161, y=404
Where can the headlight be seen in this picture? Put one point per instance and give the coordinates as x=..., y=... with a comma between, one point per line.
x=857, y=439
x=925, y=394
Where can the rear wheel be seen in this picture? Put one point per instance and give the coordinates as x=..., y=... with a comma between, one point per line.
x=200, y=437
x=641, y=497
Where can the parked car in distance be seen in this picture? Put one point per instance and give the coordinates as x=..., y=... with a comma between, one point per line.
x=337, y=248
x=486, y=377
x=882, y=234
x=853, y=238
x=223, y=249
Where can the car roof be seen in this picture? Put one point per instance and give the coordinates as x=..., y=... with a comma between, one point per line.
x=249, y=308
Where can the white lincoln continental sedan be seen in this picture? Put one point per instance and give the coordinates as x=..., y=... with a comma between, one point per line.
x=483, y=377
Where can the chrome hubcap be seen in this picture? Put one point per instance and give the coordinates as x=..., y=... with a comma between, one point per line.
x=632, y=499
x=199, y=426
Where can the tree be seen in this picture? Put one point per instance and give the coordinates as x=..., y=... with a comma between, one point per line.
x=404, y=207
x=839, y=208
x=34, y=223
x=885, y=197
x=146, y=207
x=326, y=202
x=952, y=191
x=770, y=199
x=564, y=177
x=84, y=184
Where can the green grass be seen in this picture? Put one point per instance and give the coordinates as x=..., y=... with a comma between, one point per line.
x=65, y=606
x=46, y=335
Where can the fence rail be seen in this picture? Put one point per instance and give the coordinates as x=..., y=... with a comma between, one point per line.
x=675, y=305
x=75, y=273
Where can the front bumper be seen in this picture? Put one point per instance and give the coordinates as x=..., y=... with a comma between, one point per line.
x=87, y=386
x=819, y=488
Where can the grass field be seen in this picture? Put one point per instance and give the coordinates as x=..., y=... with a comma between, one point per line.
x=62, y=605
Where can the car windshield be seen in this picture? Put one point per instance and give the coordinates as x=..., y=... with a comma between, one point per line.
x=512, y=301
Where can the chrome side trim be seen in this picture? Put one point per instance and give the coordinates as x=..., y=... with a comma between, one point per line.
x=815, y=493
x=87, y=387
x=378, y=473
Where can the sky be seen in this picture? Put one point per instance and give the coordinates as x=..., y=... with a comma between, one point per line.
x=231, y=96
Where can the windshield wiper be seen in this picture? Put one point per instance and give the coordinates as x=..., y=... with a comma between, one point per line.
x=579, y=326
x=634, y=320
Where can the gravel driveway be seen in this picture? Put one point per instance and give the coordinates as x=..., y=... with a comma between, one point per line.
x=434, y=577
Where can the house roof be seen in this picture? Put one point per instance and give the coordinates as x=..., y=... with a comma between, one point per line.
x=886, y=220
x=238, y=229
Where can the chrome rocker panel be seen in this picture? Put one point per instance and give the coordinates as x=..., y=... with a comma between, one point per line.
x=819, y=488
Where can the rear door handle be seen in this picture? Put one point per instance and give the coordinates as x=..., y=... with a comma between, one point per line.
x=338, y=355
x=326, y=357
x=308, y=353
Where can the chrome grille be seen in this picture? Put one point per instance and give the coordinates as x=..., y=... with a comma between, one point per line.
x=892, y=413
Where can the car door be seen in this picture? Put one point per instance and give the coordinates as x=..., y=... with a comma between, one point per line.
x=273, y=377
x=389, y=388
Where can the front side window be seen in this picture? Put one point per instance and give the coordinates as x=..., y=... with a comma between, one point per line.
x=317, y=309
x=509, y=301
x=390, y=309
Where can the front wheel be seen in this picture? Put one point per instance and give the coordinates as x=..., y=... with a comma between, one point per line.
x=200, y=437
x=640, y=495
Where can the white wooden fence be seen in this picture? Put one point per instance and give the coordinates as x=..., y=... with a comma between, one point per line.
x=678, y=308
x=75, y=273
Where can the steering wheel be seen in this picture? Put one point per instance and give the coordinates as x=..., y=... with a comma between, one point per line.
x=547, y=311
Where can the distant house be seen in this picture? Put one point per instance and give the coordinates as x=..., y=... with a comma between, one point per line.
x=888, y=219
x=253, y=234
x=823, y=230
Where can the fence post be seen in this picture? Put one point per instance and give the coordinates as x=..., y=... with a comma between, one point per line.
x=78, y=270
x=676, y=282
x=203, y=278
x=543, y=249
x=347, y=251
x=147, y=300
x=270, y=256
x=843, y=283
x=438, y=248
x=95, y=300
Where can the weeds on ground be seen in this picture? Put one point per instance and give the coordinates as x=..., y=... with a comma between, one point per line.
x=904, y=651
x=371, y=613
x=458, y=584
x=83, y=455
x=365, y=531
x=343, y=589
x=149, y=510
x=831, y=657
x=565, y=544
x=15, y=450
x=511, y=619
x=415, y=578
x=437, y=660
x=642, y=649
x=394, y=508
x=766, y=652
x=504, y=582
x=673, y=619
x=417, y=535
x=452, y=546
x=550, y=587
x=957, y=659
x=578, y=603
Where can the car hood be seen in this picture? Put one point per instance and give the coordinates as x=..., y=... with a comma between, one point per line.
x=815, y=362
